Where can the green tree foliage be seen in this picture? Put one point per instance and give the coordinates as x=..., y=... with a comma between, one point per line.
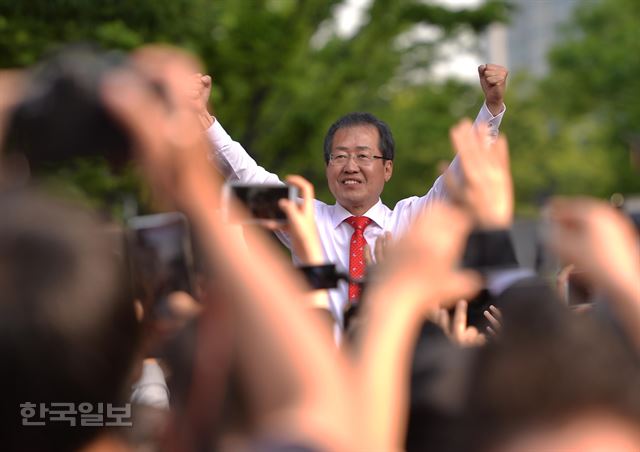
x=278, y=94
x=572, y=131
x=599, y=61
x=281, y=73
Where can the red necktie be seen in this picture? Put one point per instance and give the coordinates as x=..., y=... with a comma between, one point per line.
x=356, y=253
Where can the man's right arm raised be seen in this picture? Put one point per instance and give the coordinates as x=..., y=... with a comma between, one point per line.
x=231, y=159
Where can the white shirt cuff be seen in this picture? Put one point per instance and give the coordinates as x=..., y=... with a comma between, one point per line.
x=484, y=111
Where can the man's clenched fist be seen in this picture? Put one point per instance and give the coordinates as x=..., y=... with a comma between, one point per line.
x=199, y=92
x=493, y=79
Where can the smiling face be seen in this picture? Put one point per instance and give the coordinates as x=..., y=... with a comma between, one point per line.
x=358, y=188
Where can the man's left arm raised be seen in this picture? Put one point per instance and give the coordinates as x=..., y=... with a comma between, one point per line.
x=493, y=80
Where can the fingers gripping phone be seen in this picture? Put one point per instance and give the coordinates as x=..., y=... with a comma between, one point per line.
x=161, y=259
x=261, y=200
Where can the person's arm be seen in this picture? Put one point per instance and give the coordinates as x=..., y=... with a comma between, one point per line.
x=418, y=276
x=231, y=159
x=486, y=193
x=297, y=384
x=483, y=184
x=493, y=80
x=484, y=188
x=305, y=242
x=600, y=241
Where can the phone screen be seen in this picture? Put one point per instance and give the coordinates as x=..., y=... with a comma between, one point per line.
x=262, y=200
x=320, y=276
x=161, y=255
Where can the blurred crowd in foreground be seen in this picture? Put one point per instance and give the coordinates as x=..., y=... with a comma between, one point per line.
x=185, y=331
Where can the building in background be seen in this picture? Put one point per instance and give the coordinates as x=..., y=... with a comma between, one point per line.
x=523, y=43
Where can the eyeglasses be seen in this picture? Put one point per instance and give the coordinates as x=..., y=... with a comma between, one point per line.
x=361, y=159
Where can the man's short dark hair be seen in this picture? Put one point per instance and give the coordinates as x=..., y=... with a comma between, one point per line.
x=386, y=143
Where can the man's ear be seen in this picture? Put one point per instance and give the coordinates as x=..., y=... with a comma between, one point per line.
x=388, y=170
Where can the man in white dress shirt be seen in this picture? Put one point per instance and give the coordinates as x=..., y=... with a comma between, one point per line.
x=358, y=153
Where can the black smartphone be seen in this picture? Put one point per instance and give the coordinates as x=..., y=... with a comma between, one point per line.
x=321, y=276
x=160, y=251
x=261, y=200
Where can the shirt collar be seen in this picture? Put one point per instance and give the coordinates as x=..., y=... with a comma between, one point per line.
x=375, y=213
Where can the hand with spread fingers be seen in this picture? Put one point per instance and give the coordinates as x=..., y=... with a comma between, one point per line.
x=419, y=276
x=301, y=226
x=427, y=255
x=596, y=238
x=457, y=329
x=493, y=80
x=483, y=183
x=603, y=243
x=380, y=249
x=494, y=316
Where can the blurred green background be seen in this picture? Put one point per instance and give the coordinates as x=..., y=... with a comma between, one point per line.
x=282, y=76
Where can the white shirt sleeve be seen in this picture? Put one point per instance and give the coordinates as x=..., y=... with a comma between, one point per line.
x=233, y=160
x=438, y=191
x=236, y=165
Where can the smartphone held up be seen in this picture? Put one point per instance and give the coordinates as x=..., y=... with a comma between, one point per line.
x=161, y=256
x=260, y=200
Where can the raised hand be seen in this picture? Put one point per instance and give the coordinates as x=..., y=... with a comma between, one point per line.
x=457, y=329
x=604, y=244
x=381, y=248
x=483, y=185
x=493, y=80
x=418, y=277
x=199, y=91
x=301, y=226
x=168, y=136
x=596, y=238
x=425, y=259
